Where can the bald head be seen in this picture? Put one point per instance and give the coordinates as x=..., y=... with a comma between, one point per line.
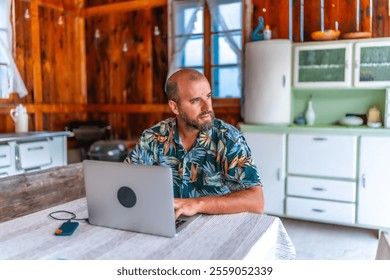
x=172, y=86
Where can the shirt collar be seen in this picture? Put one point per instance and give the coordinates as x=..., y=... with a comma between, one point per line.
x=176, y=136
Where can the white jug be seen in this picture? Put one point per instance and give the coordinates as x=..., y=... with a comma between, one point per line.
x=20, y=117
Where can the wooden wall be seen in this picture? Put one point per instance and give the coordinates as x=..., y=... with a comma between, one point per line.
x=72, y=73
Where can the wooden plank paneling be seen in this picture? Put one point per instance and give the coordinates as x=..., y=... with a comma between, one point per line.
x=37, y=63
x=381, y=18
x=28, y=193
x=159, y=53
x=121, y=7
x=71, y=75
x=275, y=14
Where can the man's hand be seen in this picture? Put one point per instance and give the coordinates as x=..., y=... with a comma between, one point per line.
x=186, y=206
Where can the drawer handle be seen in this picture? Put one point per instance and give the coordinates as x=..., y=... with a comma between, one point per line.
x=364, y=180
x=3, y=156
x=318, y=210
x=320, y=139
x=35, y=148
x=318, y=189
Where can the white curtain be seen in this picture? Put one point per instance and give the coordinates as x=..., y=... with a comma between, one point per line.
x=10, y=79
x=176, y=44
x=218, y=17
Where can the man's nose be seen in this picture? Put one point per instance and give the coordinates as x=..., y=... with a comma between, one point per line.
x=206, y=105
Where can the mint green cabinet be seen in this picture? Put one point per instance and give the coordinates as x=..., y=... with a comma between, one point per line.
x=372, y=63
x=322, y=65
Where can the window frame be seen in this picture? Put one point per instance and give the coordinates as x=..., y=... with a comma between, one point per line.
x=208, y=45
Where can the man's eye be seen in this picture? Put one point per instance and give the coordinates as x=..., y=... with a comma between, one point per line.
x=194, y=101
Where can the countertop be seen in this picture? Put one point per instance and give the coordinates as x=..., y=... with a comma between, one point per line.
x=6, y=137
x=317, y=129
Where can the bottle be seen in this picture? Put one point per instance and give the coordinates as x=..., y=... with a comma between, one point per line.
x=310, y=116
x=267, y=33
x=20, y=117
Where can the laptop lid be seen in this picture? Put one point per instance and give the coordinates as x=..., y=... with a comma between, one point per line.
x=130, y=197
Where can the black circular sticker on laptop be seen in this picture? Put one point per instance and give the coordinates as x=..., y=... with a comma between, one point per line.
x=126, y=197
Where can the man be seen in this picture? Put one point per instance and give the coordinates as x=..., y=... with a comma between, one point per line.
x=213, y=172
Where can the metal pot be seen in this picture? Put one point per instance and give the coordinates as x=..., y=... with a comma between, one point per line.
x=108, y=150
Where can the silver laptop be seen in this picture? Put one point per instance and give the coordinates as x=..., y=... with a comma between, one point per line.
x=132, y=197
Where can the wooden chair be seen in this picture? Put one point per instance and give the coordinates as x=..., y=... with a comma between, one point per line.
x=383, y=250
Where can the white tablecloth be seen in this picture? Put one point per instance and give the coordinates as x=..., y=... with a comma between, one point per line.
x=212, y=237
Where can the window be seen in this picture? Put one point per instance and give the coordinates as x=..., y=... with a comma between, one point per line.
x=214, y=26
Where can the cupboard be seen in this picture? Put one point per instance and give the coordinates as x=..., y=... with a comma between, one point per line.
x=324, y=174
x=352, y=63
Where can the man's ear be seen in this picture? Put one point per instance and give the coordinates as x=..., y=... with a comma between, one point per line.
x=173, y=105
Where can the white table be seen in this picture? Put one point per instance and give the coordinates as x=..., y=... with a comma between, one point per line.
x=212, y=237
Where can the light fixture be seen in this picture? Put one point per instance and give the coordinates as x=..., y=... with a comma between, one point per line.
x=156, y=31
x=125, y=48
x=60, y=20
x=97, y=33
x=27, y=14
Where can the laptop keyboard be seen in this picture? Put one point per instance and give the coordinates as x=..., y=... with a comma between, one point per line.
x=179, y=222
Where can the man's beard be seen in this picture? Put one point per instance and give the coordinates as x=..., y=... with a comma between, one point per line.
x=194, y=123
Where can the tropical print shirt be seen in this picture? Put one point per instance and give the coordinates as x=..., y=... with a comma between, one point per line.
x=218, y=163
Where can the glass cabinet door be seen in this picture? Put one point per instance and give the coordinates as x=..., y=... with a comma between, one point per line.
x=372, y=64
x=322, y=65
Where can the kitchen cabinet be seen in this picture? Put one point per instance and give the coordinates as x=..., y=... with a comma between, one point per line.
x=269, y=154
x=354, y=63
x=332, y=175
x=373, y=183
x=32, y=151
x=322, y=65
x=321, y=181
x=267, y=87
x=372, y=64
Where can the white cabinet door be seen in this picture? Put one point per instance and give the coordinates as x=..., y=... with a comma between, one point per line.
x=372, y=64
x=321, y=65
x=269, y=154
x=374, y=182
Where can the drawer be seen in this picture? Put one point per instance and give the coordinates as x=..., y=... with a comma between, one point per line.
x=5, y=155
x=33, y=154
x=328, y=156
x=321, y=188
x=320, y=210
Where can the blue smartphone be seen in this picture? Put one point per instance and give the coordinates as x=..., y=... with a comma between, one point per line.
x=67, y=228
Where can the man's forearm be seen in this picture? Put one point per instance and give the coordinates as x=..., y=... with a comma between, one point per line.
x=248, y=200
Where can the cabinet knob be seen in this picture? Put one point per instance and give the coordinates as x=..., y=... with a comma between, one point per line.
x=356, y=64
x=320, y=139
x=318, y=210
x=278, y=175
